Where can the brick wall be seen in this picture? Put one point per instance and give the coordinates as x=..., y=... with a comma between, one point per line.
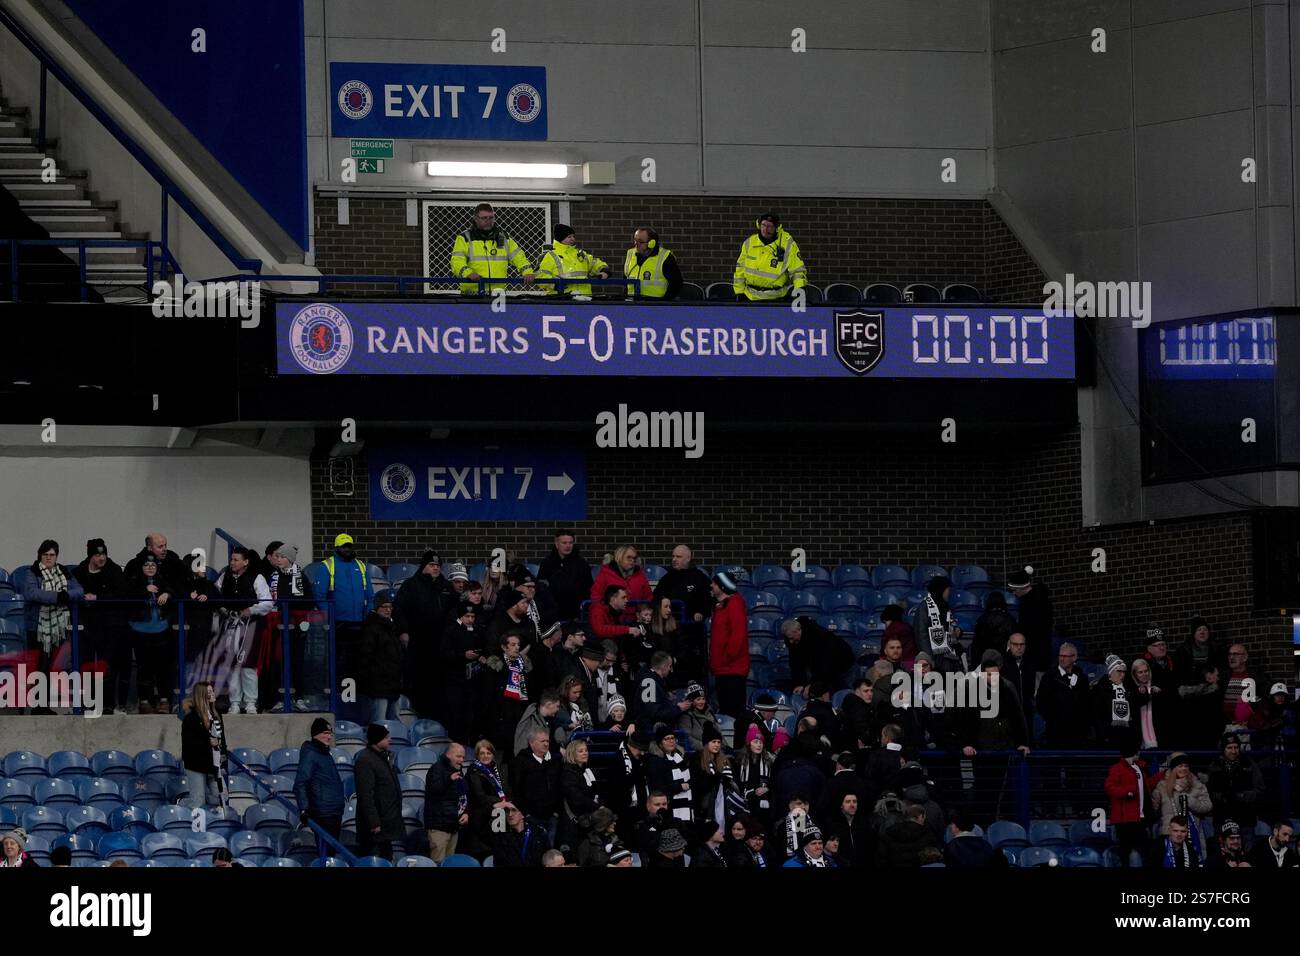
x=851, y=240
x=752, y=500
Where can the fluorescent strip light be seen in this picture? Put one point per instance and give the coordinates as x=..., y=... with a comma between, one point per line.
x=500, y=170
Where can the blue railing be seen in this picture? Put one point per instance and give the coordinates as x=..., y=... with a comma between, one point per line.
x=170, y=190
x=323, y=840
x=155, y=255
x=323, y=281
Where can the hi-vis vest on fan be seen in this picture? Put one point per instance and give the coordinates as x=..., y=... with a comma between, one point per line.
x=563, y=261
x=650, y=272
x=767, y=270
x=490, y=258
x=329, y=566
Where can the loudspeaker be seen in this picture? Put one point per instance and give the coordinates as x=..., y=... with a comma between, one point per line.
x=1276, y=558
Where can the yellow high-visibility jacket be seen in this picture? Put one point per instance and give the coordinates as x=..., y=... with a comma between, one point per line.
x=650, y=272
x=490, y=257
x=768, y=270
x=563, y=261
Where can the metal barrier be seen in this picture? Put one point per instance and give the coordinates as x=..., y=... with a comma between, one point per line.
x=323, y=839
x=155, y=254
x=323, y=282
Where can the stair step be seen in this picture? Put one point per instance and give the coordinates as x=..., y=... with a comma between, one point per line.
x=115, y=269
x=16, y=141
x=85, y=234
x=14, y=160
x=59, y=203
x=38, y=190
x=74, y=226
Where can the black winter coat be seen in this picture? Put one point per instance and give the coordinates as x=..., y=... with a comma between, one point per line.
x=1021, y=678
x=513, y=848
x=902, y=843
x=1035, y=622
x=859, y=727
x=442, y=797
x=380, y=671
x=196, y=746
x=108, y=584
x=455, y=667
x=569, y=580
x=379, y=796
x=1066, y=710
x=819, y=656
x=536, y=785
x=691, y=587
x=579, y=797
x=420, y=610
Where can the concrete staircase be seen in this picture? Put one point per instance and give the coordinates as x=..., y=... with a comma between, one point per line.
x=67, y=209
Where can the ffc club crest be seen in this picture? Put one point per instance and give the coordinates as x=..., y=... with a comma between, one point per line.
x=397, y=482
x=355, y=99
x=860, y=340
x=321, y=338
x=524, y=102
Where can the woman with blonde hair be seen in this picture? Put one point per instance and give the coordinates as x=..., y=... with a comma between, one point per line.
x=203, y=747
x=578, y=788
x=624, y=571
x=1178, y=792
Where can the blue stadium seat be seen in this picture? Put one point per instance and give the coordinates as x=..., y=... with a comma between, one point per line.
x=281, y=861
x=170, y=818
x=1082, y=834
x=82, y=846
x=412, y=785
x=975, y=830
x=963, y=293
x=922, y=573
x=845, y=575
x=254, y=846
x=281, y=785
x=398, y=573
x=1010, y=853
x=146, y=793
x=157, y=763
x=284, y=761
x=758, y=646
x=876, y=601
x=332, y=861
x=1038, y=856
x=54, y=792
x=812, y=578
x=252, y=759
x=113, y=764
x=771, y=577
x=914, y=597
x=10, y=816
x=225, y=822
x=885, y=576
x=459, y=860
x=882, y=293
x=766, y=601
x=160, y=846
x=69, y=763
x=1005, y=833
x=837, y=699
x=841, y=624
x=25, y=765
x=413, y=810
x=971, y=577
x=654, y=572
x=38, y=848
x=267, y=816
x=803, y=604
x=12, y=640
x=4, y=576
x=119, y=846
x=375, y=862
x=921, y=293
x=176, y=790
x=748, y=594
x=132, y=819
x=842, y=293
x=416, y=860
x=965, y=601
x=739, y=573
x=346, y=730
x=399, y=732
x=1079, y=856
x=837, y=601
x=427, y=730
x=1047, y=833
x=764, y=625
x=967, y=620
x=416, y=759
x=46, y=820
x=16, y=793
x=201, y=846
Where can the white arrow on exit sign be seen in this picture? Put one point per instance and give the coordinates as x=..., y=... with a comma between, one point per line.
x=562, y=483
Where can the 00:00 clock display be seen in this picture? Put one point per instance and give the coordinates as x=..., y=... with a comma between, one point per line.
x=1012, y=339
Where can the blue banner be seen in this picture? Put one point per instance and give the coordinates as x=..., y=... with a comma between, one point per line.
x=438, y=101
x=437, y=483
x=559, y=337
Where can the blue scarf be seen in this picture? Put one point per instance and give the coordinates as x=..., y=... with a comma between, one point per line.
x=462, y=796
x=492, y=774
x=1193, y=858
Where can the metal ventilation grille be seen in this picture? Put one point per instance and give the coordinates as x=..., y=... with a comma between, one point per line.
x=528, y=223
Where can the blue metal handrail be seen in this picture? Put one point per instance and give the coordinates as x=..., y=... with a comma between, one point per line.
x=322, y=838
x=323, y=281
x=231, y=541
x=155, y=252
x=170, y=189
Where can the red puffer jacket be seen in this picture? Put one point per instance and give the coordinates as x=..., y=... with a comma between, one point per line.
x=638, y=588
x=1121, y=787
x=729, y=639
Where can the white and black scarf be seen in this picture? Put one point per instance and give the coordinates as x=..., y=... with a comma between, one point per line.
x=294, y=574
x=628, y=769
x=1121, y=710
x=940, y=626
x=604, y=681
x=820, y=861
x=680, y=800
x=53, y=623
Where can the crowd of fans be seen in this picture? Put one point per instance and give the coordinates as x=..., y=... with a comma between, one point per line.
x=595, y=714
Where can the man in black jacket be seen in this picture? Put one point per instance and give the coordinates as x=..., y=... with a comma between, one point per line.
x=686, y=583
x=379, y=796
x=380, y=673
x=423, y=602
x=856, y=717
x=816, y=655
x=567, y=574
x=1017, y=672
x=966, y=850
x=1036, y=616
x=317, y=786
x=651, y=703
x=1065, y=703
x=523, y=843
x=170, y=567
x=106, y=635
x=1276, y=852
x=535, y=779
x=446, y=804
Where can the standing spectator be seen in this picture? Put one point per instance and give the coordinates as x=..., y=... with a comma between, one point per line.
x=849, y=824
x=669, y=771
x=578, y=788
x=506, y=689
x=1129, y=788
x=462, y=664
x=714, y=787
x=170, y=567
x=1275, y=853
x=1017, y=673
x=859, y=727
x=149, y=634
x=1177, y=850
x=1112, y=707
x=769, y=264
x=1241, y=691
x=266, y=565
x=203, y=747
x=523, y=842
x=816, y=655
x=1063, y=701
x=493, y=585
x=1199, y=650
x=349, y=586
x=548, y=657
x=753, y=774
x=629, y=786
x=623, y=570
x=653, y=266
x=289, y=584
x=202, y=644
x=1178, y=793
x=763, y=716
x=697, y=720
x=567, y=574
x=902, y=844
x=709, y=851
x=240, y=584
x=535, y=779
x=540, y=610
x=994, y=627
x=606, y=622
x=1235, y=784
x=380, y=672
x=446, y=802
x=1200, y=726
x=684, y=582
x=486, y=788
x=486, y=251
x=379, y=796
x=663, y=634
x=47, y=593
x=653, y=705
x=936, y=627
x=729, y=645
x=1152, y=705
x=538, y=718
x=1276, y=718
x=1037, y=616
x=1001, y=728
x=575, y=714
x=12, y=850
x=423, y=603
x=317, y=786
x=753, y=853
x=511, y=617
x=1163, y=672
x=616, y=722
x=106, y=637
x=822, y=712
x=884, y=764
x=458, y=578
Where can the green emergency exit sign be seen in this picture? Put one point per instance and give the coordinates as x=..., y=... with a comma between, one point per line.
x=372, y=148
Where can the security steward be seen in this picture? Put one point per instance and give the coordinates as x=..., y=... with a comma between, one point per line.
x=654, y=265
x=483, y=251
x=769, y=264
x=564, y=260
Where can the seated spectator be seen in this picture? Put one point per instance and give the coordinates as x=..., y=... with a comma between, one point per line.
x=849, y=824
x=1276, y=719
x=12, y=850
x=574, y=714
x=858, y=725
x=696, y=720
x=617, y=721
x=895, y=627
x=752, y=853
x=653, y=705
x=669, y=852
x=621, y=857
x=1128, y=785
x=791, y=827
x=1235, y=784
x=1112, y=708
x=47, y=593
x=1230, y=852
x=902, y=843
x=1152, y=705
x=816, y=655
x=670, y=772
x=656, y=820
x=965, y=850
x=600, y=842
x=1275, y=853
x=1177, y=792
x=523, y=843
x=536, y=780
x=1177, y=850
x=709, y=846
x=446, y=803
x=623, y=571
x=812, y=852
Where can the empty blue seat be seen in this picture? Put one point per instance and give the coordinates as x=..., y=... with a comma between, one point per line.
x=764, y=627
x=267, y=816
x=654, y=572
x=890, y=576
x=461, y=860
x=398, y=731
x=38, y=848
x=69, y=763
x=1079, y=856
x=156, y=846
x=412, y=811
x=837, y=699
x=112, y=764
x=90, y=820
x=252, y=759
x=1037, y=856
x=758, y=646
x=398, y=573
x=803, y=604
x=427, y=730
x=922, y=573
x=1010, y=853
x=284, y=761
x=254, y=846
x=1006, y=833
x=157, y=763
x=16, y=793
x=876, y=601
x=281, y=861
x=415, y=860
x=170, y=818
x=964, y=601
x=55, y=792
x=342, y=763
x=971, y=577
x=766, y=600
x=10, y=816
x=1047, y=833
x=335, y=861
x=812, y=578
x=119, y=846
x=846, y=575
x=836, y=601
x=176, y=790
x=412, y=785
x=770, y=577
x=144, y=792
x=81, y=845
x=841, y=624
x=1082, y=834
x=373, y=861
x=739, y=573
x=46, y=820
x=967, y=620
x=201, y=846
x=280, y=784
x=224, y=822
x=416, y=758
x=25, y=765
x=135, y=820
